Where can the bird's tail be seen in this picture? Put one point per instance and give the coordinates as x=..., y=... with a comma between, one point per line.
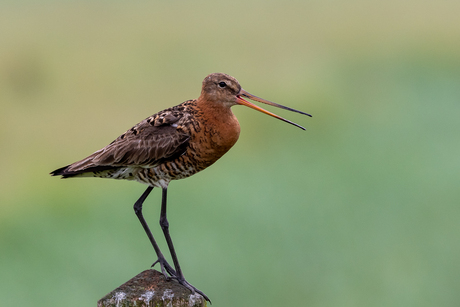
x=62, y=172
x=66, y=172
x=82, y=168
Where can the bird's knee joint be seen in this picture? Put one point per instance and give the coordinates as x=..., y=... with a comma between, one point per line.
x=137, y=209
x=164, y=223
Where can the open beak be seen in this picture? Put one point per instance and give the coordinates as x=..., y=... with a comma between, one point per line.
x=245, y=94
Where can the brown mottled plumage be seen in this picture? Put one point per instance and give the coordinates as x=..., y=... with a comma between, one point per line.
x=173, y=144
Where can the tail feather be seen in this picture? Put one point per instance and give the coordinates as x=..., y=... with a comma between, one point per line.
x=60, y=171
x=65, y=171
x=82, y=167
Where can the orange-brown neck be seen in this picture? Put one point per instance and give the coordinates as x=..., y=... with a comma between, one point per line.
x=220, y=125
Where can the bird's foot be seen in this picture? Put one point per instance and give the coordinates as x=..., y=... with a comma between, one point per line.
x=170, y=273
x=165, y=267
x=189, y=286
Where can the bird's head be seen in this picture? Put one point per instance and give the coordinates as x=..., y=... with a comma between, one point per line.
x=224, y=89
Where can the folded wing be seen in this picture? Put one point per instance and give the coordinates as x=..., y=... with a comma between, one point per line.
x=145, y=145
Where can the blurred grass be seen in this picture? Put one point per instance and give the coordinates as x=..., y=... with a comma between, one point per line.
x=359, y=210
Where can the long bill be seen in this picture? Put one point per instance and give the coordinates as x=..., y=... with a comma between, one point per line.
x=245, y=94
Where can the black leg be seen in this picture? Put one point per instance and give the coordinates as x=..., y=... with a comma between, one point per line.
x=161, y=259
x=165, y=227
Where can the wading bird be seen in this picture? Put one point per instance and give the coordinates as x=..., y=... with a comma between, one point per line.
x=173, y=144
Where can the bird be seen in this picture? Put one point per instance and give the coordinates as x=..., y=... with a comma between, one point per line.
x=173, y=144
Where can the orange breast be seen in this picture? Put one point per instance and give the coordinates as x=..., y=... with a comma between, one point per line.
x=218, y=132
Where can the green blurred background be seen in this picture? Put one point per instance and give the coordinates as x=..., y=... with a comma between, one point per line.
x=361, y=209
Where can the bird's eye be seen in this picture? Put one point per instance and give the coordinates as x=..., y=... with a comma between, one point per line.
x=222, y=84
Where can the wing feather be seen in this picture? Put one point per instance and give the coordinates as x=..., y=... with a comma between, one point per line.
x=145, y=149
x=145, y=145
